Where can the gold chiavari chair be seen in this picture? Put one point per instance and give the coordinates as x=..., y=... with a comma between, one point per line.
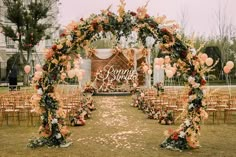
x=230, y=109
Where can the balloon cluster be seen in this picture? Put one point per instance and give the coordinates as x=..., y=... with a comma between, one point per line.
x=205, y=59
x=27, y=68
x=164, y=63
x=228, y=67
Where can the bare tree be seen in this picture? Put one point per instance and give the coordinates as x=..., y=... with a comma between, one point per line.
x=183, y=20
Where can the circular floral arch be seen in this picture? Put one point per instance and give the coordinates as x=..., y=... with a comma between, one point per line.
x=78, y=36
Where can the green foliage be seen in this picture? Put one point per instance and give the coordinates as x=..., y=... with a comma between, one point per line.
x=27, y=27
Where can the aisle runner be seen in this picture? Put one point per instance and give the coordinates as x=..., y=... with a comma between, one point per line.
x=120, y=128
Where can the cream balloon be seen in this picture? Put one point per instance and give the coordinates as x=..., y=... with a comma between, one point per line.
x=230, y=64
x=209, y=61
x=27, y=69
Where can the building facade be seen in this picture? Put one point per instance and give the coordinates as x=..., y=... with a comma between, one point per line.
x=8, y=47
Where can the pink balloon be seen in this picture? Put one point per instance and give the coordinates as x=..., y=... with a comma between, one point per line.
x=209, y=61
x=204, y=57
x=230, y=64
x=227, y=69
x=37, y=67
x=27, y=69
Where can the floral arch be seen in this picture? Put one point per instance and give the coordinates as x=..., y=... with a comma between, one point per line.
x=59, y=59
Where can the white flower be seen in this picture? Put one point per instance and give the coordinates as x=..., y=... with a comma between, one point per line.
x=54, y=121
x=193, y=50
x=58, y=136
x=191, y=80
x=123, y=42
x=196, y=85
x=150, y=41
x=68, y=37
x=182, y=134
x=191, y=106
x=40, y=91
x=187, y=122
x=133, y=37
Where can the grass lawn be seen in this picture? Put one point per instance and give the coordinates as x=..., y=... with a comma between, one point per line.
x=118, y=130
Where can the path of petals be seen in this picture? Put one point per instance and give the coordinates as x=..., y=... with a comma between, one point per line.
x=112, y=115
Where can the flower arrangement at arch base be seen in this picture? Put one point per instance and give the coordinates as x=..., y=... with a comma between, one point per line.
x=53, y=131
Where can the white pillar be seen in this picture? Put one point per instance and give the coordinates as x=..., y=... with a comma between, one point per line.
x=148, y=77
x=86, y=65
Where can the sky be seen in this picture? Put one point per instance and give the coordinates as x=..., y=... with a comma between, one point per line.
x=200, y=15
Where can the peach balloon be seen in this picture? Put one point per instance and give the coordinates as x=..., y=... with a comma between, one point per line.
x=27, y=69
x=204, y=57
x=230, y=64
x=209, y=61
x=227, y=69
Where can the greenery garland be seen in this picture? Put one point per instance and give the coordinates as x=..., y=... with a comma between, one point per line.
x=79, y=35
